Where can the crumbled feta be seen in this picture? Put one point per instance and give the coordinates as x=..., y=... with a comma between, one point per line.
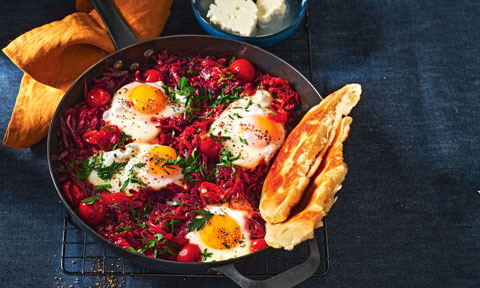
x=269, y=8
x=238, y=16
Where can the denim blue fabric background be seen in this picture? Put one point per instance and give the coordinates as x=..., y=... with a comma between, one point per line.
x=409, y=212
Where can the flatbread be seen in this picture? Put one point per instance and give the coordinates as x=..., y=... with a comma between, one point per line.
x=318, y=198
x=302, y=153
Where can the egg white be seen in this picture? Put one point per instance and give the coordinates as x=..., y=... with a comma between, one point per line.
x=131, y=121
x=240, y=249
x=234, y=122
x=133, y=154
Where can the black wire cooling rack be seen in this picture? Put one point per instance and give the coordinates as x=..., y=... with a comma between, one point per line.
x=82, y=255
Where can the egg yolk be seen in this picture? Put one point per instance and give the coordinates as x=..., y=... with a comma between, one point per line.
x=221, y=232
x=148, y=99
x=158, y=157
x=261, y=132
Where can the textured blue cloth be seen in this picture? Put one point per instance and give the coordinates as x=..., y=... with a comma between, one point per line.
x=409, y=212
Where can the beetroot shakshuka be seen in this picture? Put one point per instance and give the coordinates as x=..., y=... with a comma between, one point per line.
x=169, y=161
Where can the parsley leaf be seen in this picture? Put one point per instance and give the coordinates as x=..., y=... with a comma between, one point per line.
x=205, y=255
x=91, y=200
x=244, y=141
x=198, y=223
x=192, y=72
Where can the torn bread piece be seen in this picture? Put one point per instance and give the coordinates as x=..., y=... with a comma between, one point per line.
x=318, y=198
x=302, y=153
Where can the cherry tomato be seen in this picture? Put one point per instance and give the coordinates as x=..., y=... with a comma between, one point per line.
x=104, y=138
x=73, y=194
x=211, y=193
x=209, y=146
x=258, y=244
x=153, y=75
x=97, y=97
x=93, y=213
x=115, y=198
x=243, y=69
x=280, y=116
x=189, y=253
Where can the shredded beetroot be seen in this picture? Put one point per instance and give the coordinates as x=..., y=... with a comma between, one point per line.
x=136, y=221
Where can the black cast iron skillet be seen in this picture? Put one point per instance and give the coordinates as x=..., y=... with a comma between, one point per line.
x=131, y=52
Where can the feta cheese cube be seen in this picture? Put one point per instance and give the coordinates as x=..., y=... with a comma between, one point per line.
x=238, y=16
x=269, y=8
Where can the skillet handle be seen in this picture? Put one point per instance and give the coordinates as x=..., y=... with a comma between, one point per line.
x=288, y=278
x=122, y=36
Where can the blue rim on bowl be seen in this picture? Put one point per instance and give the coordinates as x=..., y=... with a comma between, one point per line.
x=261, y=40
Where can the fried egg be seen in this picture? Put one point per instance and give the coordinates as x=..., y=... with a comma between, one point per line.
x=247, y=132
x=144, y=167
x=224, y=235
x=134, y=105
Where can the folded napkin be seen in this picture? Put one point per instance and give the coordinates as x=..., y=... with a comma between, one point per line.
x=54, y=55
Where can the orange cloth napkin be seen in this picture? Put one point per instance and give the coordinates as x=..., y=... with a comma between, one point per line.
x=54, y=55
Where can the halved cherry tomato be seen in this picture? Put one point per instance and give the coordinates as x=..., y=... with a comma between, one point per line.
x=243, y=69
x=73, y=194
x=258, y=244
x=209, y=146
x=105, y=137
x=211, y=193
x=189, y=253
x=93, y=213
x=280, y=116
x=153, y=75
x=97, y=97
x=115, y=198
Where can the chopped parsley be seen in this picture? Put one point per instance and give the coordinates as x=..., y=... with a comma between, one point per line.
x=171, y=224
x=169, y=94
x=123, y=229
x=189, y=165
x=104, y=172
x=133, y=211
x=131, y=177
x=226, y=159
x=91, y=200
x=175, y=203
x=116, y=207
x=205, y=255
x=248, y=105
x=192, y=72
x=266, y=109
x=103, y=187
x=198, y=223
x=124, y=138
x=244, y=141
